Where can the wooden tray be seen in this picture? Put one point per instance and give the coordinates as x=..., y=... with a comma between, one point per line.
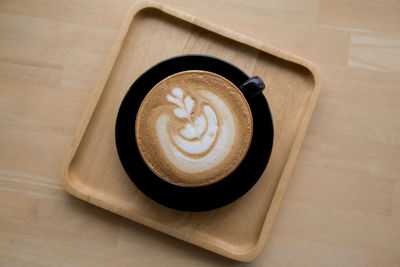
x=153, y=32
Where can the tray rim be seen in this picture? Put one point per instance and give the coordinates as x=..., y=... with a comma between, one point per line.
x=136, y=8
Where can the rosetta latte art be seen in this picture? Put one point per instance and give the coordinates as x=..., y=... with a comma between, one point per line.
x=205, y=138
x=199, y=134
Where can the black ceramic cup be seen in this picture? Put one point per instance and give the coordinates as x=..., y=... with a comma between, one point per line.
x=211, y=196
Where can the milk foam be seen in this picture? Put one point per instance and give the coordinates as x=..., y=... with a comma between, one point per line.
x=197, y=136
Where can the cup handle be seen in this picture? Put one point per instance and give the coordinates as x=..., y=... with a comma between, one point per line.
x=252, y=87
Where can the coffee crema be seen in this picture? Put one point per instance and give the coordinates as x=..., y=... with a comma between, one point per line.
x=193, y=128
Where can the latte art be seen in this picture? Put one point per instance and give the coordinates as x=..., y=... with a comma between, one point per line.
x=193, y=128
x=202, y=142
x=199, y=134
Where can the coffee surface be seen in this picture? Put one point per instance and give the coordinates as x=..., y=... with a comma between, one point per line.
x=193, y=128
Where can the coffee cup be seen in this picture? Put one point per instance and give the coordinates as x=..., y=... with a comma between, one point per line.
x=195, y=127
x=189, y=135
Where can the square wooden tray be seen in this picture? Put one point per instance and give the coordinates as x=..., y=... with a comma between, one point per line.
x=153, y=32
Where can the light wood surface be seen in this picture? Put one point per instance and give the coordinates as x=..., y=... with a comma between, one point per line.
x=342, y=205
x=92, y=171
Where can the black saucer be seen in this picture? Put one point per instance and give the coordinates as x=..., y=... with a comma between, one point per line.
x=193, y=198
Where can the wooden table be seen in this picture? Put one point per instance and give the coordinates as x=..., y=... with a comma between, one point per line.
x=342, y=205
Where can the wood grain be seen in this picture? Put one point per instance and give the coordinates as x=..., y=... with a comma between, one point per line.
x=342, y=205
